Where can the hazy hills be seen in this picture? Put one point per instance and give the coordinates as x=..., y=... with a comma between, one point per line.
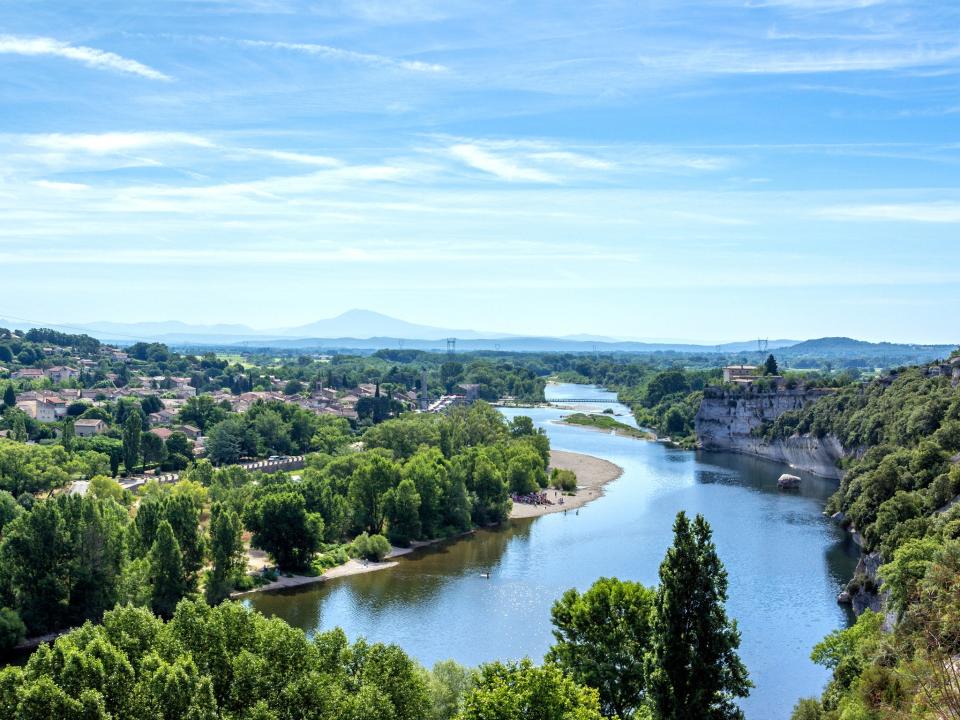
x=366, y=330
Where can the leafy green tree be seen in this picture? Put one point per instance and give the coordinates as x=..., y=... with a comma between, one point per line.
x=907, y=568
x=153, y=449
x=492, y=503
x=522, y=426
x=202, y=411
x=132, y=429
x=331, y=434
x=447, y=683
x=522, y=691
x=602, y=637
x=807, y=709
x=427, y=470
x=167, y=576
x=33, y=555
x=693, y=670
x=134, y=586
x=12, y=629
x=367, y=491
x=227, y=553
x=370, y=547
x=226, y=441
x=526, y=472
x=182, y=510
x=402, y=507
x=283, y=528
x=18, y=426
x=9, y=509
x=150, y=404
x=9, y=396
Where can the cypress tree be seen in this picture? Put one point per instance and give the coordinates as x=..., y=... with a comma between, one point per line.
x=693, y=670
x=9, y=396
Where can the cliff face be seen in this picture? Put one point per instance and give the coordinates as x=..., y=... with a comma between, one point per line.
x=726, y=420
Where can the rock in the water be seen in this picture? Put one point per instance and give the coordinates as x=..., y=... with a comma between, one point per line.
x=844, y=598
x=788, y=482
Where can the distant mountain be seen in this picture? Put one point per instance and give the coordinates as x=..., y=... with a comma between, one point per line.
x=365, y=324
x=882, y=354
x=367, y=331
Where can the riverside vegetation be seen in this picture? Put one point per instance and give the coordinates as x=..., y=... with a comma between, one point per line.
x=68, y=558
x=606, y=423
x=622, y=650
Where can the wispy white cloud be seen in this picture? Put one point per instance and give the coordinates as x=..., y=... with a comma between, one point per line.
x=572, y=159
x=762, y=62
x=933, y=212
x=295, y=157
x=91, y=57
x=60, y=186
x=113, y=142
x=503, y=167
x=335, y=53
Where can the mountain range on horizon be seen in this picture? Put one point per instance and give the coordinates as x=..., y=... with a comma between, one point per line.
x=357, y=324
x=368, y=330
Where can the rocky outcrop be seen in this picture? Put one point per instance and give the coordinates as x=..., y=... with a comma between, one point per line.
x=727, y=420
x=865, y=591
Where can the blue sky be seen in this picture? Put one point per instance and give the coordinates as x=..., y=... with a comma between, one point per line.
x=711, y=170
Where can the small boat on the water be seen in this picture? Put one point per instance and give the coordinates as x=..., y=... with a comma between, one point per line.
x=485, y=575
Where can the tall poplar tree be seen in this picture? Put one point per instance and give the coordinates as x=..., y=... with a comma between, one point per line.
x=226, y=550
x=693, y=670
x=166, y=571
x=132, y=427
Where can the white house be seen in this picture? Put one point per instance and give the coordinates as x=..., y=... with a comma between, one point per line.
x=88, y=427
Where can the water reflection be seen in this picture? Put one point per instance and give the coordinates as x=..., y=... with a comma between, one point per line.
x=786, y=563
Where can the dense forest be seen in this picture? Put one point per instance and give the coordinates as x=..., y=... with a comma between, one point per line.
x=68, y=558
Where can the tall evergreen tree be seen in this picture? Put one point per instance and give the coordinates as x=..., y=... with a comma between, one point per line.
x=770, y=365
x=166, y=571
x=226, y=549
x=9, y=396
x=68, y=434
x=693, y=670
x=132, y=427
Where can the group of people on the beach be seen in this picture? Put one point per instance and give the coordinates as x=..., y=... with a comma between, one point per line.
x=535, y=498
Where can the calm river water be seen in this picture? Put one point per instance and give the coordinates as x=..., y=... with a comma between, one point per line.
x=786, y=564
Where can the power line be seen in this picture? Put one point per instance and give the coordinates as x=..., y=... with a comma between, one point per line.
x=58, y=326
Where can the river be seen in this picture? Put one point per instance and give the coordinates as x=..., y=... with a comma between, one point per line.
x=786, y=564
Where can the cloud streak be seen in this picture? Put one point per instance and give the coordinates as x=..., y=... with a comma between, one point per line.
x=335, y=53
x=935, y=212
x=91, y=57
x=504, y=168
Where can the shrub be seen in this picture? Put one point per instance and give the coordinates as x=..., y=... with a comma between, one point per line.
x=12, y=629
x=370, y=547
x=565, y=480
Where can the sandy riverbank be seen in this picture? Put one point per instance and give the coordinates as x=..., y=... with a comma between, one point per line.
x=592, y=474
